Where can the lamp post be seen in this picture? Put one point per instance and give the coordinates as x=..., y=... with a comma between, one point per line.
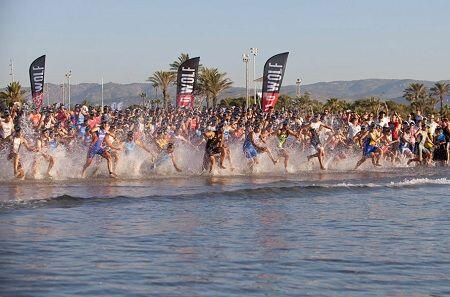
x=254, y=52
x=47, y=94
x=63, y=95
x=298, y=82
x=102, y=95
x=246, y=59
x=11, y=67
x=68, y=75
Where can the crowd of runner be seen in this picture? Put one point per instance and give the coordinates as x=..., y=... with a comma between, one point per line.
x=154, y=133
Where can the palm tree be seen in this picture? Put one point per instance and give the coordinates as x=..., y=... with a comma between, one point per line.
x=163, y=79
x=175, y=64
x=180, y=60
x=155, y=86
x=212, y=83
x=143, y=95
x=13, y=93
x=441, y=89
x=416, y=93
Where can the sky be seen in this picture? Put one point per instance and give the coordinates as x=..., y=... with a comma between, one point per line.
x=126, y=41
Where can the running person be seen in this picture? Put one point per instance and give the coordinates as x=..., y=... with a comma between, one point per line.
x=314, y=128
x=167, y=154
x=252, y=146
x=423, y=153
x=370, y=148
x=44, y=146
x=97, y=147
x=213, y=149
x=283, y=134
x=17, y=141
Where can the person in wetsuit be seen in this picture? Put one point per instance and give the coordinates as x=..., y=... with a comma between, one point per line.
x=213, y=149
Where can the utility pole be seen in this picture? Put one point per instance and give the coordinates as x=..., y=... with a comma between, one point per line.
x=246, y=59
x=298, y=82
x=254, y=52
x=11, y=67
x=63, y=93
x=102, y=94
x=68, y=75
x=47, y=94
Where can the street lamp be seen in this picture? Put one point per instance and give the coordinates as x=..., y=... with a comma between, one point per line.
x=102, y=96
x=254, y=52
x=11, y=68
x=298, y=82
x=68, y=75
x=246, y=59
x=63, y=94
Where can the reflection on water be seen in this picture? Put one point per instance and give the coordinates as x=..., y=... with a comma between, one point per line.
x=321, y=234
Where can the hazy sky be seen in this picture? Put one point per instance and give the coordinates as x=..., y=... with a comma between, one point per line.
x=125, y=41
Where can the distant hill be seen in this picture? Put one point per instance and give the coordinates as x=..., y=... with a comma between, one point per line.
x=350, y=90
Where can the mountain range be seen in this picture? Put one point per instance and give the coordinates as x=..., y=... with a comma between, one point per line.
x=349, y=90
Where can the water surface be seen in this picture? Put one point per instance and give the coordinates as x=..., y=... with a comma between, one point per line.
x=383, y=233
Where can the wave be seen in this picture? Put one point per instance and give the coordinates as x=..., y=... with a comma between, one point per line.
x=421, y=181
x=295, y=189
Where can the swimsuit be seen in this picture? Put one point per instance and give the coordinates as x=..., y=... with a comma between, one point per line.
x=97, y=147
x=249, y=149
x=368, y=147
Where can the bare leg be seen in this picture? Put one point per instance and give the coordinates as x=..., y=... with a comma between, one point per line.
x=212, y=161
x=313, y=156
x=359, y=163
x=222, y=158
x=86, y=165
x=321, y=157
x=34, y=168
x=51, y=162
x=228, y=156
x=110, y=165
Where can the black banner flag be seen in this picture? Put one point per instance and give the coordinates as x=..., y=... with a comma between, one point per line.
x=187, y=82
x=272, y=79
x=37, y=70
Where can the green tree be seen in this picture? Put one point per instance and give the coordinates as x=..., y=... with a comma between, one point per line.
x=211, y=83
x=440, y=89
x=307, y=104
x=180, y=60
x=370, y=105
x=13, y=93
x=163, y=79
x=86, y=102
x=284, y=101
x=417, y=95
x=143, y=96
x=401, y=109
x=239, y=101
x=336, y=105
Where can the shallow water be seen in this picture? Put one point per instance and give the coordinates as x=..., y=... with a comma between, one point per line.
x=379, y=233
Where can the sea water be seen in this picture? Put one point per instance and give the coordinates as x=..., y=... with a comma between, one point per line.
x=382, y=232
